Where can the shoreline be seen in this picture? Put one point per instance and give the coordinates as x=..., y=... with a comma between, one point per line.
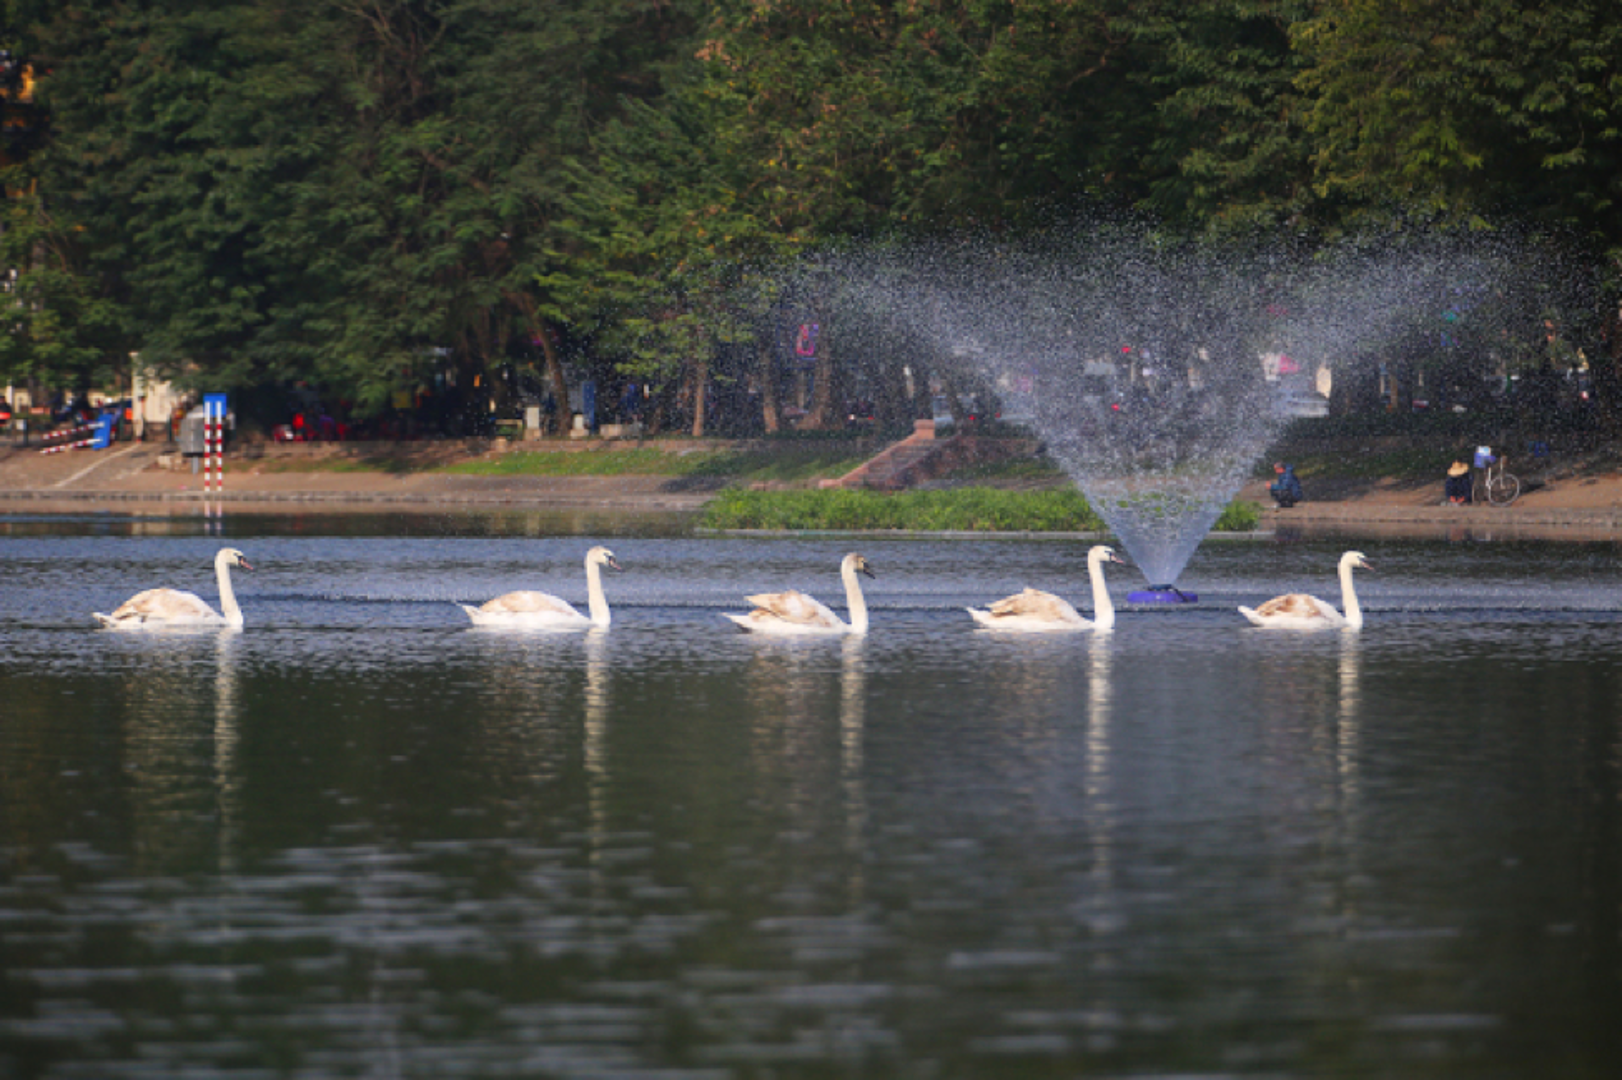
x=132, y=479
x=1349, y=520
x=358, y=501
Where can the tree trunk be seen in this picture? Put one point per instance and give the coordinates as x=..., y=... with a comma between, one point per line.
x=701, y=378
x=539, y=329
x=1605, y=374
x=554, y=373
x=820, y=415
x=769, y=414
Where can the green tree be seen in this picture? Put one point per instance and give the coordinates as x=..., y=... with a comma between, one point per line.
x=334, y=190
x=439, y=209
x=812, y=121
x=174, y=129
x=62, y=330
x=1496, y=107
x=1227, y=149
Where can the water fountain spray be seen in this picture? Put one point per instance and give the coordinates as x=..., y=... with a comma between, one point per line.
x=1160, y=371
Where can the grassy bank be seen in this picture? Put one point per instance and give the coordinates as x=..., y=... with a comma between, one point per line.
x=973, y=509
x=786, y=465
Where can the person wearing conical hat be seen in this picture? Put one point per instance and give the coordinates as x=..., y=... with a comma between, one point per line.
x=1457, y=486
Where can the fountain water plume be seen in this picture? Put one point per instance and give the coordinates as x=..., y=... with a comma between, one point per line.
x=1156, y=367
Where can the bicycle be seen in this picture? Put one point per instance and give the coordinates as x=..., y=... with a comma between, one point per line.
x=1499, y=486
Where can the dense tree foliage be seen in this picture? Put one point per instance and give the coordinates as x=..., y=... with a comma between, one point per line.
x=367, y=194
x=1488, y=107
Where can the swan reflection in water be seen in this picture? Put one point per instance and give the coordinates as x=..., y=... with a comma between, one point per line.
x=798, y=697
x=1348, y=717
x=526, y=721
x=852, y=735
x=180, y=686
x=227, y=736
x=1100, y=909
x=595, y=745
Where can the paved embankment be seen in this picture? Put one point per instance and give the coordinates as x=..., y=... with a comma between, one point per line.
x=144, y=477
x=141, y=473
x=1586, y=508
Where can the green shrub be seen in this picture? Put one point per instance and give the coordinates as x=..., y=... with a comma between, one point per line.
x=960, y=510
x=1238, y=517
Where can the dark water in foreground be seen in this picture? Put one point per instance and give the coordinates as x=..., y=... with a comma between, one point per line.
x=359, y=839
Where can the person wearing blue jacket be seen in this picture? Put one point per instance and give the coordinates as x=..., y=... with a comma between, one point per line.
x=1285, y=488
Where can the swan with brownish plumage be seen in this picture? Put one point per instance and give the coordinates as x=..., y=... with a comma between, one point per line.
x=1298, y=611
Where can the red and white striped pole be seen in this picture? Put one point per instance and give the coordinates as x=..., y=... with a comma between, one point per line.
x=66, y=433
x=80, y=445
x=214, y=443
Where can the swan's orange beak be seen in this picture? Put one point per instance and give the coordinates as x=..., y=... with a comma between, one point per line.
x=613, y=563
x=244, y=563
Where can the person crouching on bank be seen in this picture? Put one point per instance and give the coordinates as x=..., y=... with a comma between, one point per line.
x=1285, y=488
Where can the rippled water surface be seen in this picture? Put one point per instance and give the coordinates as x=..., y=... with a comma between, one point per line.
x=360, y=839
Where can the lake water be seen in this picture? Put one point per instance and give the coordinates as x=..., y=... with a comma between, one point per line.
x=360, y=839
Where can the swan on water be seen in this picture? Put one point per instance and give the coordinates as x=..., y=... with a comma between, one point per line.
x=794, y=612
x=1035, y=611
x=1298, y=611
x=157, y=609
x=526, y=610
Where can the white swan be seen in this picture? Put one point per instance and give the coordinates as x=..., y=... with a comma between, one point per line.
x=1035, y=611
x=542, y=611
x=1298, y=611
x=158, y=609
x=794, y=612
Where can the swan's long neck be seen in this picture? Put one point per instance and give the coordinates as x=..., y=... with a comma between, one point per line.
x=1103, y=607
x=1348, y=598
x=228, y=595
x=596, y=602
x=854, y=599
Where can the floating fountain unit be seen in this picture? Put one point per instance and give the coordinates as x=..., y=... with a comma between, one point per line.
x=1162, y=594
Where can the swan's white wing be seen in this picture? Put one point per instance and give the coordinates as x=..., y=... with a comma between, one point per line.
x=529, y=603
x=161, y=605
x=793, y=607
